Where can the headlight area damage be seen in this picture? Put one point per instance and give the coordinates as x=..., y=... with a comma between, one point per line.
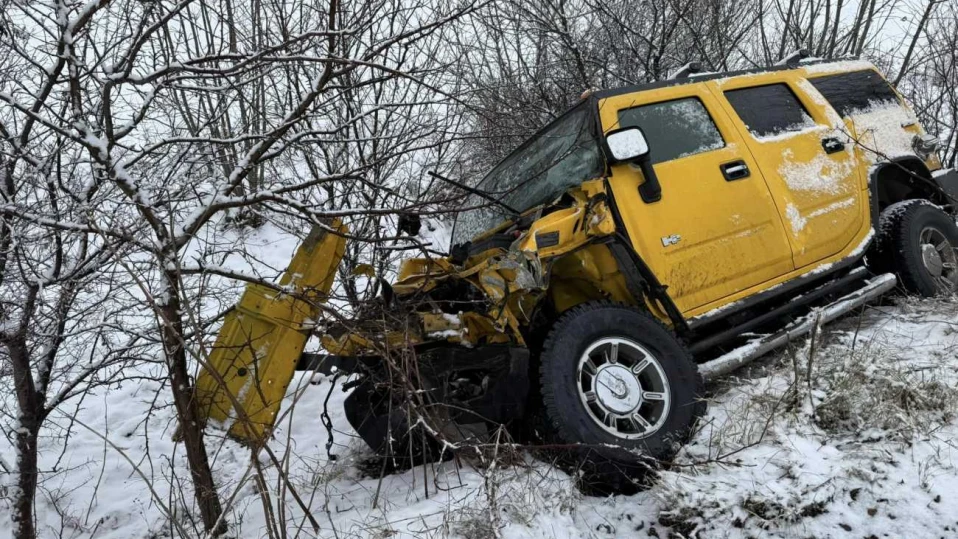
x=442, y=358
x=442, y=350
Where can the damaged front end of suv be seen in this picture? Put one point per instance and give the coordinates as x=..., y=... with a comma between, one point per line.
x=549, y=318
x=448, y=355
x=450, y=347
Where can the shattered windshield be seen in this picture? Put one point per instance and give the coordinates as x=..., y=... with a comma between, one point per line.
x=564, y=154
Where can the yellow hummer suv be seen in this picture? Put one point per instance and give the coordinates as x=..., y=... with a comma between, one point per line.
x=618, y=256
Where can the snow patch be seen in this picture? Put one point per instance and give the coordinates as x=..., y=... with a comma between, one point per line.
x=795, y=218
x=837, y=67
x=823, y=174
x=798, y=221
x=807, y=126
x=881, y=131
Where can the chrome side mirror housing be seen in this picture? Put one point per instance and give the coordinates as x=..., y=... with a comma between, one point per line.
x=925, y=145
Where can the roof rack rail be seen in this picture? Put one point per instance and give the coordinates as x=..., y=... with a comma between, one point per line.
x=687, y=70
x=793, y=59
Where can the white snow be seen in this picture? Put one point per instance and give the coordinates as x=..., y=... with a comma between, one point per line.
x=880, y=131
x=795, y=218
x=868, y=446
x=866, y=241
x=798, y=221
x=836, y=67
x=627, y=144
x=824, y=173
x=862, y=447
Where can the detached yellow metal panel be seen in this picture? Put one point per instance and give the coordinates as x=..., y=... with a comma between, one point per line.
x=261, y=340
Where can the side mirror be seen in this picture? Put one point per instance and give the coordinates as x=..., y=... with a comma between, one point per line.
x=925, y=145
x=629, y=145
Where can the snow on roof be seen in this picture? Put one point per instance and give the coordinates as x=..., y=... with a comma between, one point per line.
x=841, y=65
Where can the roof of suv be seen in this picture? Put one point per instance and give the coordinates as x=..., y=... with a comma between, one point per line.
x=850, y=64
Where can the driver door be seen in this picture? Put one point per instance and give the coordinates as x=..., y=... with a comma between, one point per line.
x=716, y=230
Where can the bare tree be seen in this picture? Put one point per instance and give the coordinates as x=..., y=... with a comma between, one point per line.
x=133, y=134
x=57, y=301
x=174, y=119
x=930, y=81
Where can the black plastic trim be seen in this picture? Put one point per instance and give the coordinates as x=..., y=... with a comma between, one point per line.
x=697, y=323
x=908, y=164
x=731, y=177
x=792, y=305
x=948, y=183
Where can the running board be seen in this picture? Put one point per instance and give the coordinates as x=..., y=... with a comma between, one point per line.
x=753, y=350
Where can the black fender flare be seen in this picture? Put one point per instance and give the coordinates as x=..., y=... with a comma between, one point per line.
x=901, y=178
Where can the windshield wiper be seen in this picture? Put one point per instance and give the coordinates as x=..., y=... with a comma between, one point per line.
x=477, y=192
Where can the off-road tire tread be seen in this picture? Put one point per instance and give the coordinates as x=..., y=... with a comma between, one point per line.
x=896, y=250
x=607, y=473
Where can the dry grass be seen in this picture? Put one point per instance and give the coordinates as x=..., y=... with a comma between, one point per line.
x=778, y=449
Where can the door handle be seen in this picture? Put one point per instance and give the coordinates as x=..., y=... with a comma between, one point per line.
x=736, y=170
x=832, y=145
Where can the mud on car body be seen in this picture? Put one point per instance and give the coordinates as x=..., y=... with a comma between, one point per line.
x=624, y=250
x=654, y=226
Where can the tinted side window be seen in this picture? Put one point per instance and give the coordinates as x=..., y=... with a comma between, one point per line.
x=674, y=129
x=858, y=90
x=769, y=110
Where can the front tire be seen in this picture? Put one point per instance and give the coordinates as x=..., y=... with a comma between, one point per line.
x=917, y=240
x=619, y=383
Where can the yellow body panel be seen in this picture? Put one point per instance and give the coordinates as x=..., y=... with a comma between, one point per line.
x=724, y=245
x=713, y=242
x=819, y=194
x=585, y=275
x=261, y=340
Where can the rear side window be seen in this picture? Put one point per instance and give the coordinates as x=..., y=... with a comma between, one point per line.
x=858, y=90
x=769, y=110
x=674, y=129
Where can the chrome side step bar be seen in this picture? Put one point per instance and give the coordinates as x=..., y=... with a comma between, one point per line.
x=753, y=350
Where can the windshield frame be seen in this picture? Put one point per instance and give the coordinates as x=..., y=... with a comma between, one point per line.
x=591, y=125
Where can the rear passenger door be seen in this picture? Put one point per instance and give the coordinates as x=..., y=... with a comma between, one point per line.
x=879, y=120
x=806, y=157
x=715, y=232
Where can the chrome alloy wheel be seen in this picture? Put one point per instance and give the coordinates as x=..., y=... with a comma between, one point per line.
x=624, y=388
x=939, y=258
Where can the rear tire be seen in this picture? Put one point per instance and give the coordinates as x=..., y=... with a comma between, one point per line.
x=917, y=241
x=617, y=382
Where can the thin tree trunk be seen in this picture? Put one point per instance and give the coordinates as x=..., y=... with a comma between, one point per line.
x=31, y=411
x=868, y=24
x=914, y=39
x=856, y=28
x=830, y=50
x=823, y=39
x=786, y=30
x=191, y=428
x=24, y=527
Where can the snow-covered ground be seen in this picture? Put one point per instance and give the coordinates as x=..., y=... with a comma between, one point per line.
x=865, y=445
